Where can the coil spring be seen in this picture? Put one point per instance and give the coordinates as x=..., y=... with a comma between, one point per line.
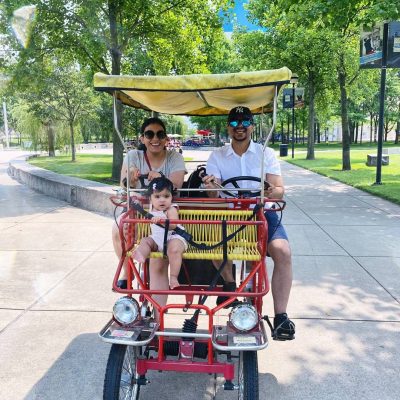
x=172, y=349
x=189, y=326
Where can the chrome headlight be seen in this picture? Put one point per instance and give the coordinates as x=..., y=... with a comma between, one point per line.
x=126, y=310
x=244, y=317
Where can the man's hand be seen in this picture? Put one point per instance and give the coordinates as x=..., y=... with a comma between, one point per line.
x=268, y=190
x=211, y=182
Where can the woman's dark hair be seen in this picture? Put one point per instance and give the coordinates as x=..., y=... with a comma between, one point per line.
x=159, y=184
x=152, y=120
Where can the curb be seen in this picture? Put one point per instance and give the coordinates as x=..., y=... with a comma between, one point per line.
x=82, y=193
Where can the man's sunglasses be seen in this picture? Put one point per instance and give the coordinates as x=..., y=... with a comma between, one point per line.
x=245, y=123
x=150, y=134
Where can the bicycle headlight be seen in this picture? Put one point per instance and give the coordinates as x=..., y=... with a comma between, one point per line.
x=126, y=310
x=244, y=317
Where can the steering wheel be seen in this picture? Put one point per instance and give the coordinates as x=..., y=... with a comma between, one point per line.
x=245, y=193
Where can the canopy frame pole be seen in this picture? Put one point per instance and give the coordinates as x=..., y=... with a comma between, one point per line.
x=128, y=178
x=274, y=112
x=202, y=98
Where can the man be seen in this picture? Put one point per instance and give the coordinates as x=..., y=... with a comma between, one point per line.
x=243, y=158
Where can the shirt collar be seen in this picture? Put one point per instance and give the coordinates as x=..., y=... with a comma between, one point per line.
x=252, y=148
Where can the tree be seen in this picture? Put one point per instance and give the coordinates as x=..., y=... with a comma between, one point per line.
x=69, y=98
x=304, y=51
x=342, y=18
x=113, y=37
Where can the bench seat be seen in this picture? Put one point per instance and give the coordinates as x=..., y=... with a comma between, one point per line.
x=244, y=246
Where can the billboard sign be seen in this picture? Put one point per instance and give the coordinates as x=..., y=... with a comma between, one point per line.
x=288, y=98
x=393, y=57
x=371, y=46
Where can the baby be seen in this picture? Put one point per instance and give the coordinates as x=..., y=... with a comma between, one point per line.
x=161, y=207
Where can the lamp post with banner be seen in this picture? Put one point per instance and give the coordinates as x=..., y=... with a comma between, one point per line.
x=380, y=48
x=293, y=81
x=293, y=98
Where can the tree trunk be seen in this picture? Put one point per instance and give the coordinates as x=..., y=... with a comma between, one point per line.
x=50, y=138
x=346, y=164
x=361, y=132
x=311, y=120
x=356, y=133
x=370, y=128
x=71, y=131
x=396, y=140
x=115, y=53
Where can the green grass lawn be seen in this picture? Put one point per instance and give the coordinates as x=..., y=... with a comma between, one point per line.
x=95, y=167
x=360, y=176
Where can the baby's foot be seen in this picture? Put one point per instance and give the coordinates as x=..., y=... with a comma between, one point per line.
x=173, y=282
x=138, y=256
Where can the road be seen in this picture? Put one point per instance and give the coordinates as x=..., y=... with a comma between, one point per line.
x=56, y=266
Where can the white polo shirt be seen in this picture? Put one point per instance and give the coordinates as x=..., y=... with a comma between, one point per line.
x=224, y=163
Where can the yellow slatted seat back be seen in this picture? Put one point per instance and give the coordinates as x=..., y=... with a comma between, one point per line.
x=242, y=247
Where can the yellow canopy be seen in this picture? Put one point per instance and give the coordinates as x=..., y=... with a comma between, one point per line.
x=212, y=94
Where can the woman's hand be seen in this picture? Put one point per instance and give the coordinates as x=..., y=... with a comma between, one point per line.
x=134, y=174
x=154, y=174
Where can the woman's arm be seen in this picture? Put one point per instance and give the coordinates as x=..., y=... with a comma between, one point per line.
x=177, y=178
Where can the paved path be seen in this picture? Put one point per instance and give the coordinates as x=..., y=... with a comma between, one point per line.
x=56, y=266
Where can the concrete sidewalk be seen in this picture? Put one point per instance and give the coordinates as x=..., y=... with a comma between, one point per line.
x=56, y=266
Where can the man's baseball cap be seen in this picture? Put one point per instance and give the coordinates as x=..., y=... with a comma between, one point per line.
x=240, y=113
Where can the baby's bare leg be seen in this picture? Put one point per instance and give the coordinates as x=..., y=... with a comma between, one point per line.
x=175, y=250
x=146, y=245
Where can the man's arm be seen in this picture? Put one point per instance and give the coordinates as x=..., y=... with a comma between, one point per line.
x=276, y=189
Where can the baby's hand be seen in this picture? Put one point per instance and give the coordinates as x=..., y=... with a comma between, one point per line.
x=156, y=220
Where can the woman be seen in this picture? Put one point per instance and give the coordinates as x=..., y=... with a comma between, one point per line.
x=155, y=161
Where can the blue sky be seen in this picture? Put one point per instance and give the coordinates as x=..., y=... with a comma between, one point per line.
x=241, y=17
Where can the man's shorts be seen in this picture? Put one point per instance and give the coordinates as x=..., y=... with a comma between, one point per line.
x=275, y=228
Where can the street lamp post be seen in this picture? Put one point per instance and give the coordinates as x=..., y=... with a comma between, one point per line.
x=378, y=180
x=6, y=124
x=293, y=81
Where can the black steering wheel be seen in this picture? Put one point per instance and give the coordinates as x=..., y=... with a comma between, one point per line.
x=243, y=193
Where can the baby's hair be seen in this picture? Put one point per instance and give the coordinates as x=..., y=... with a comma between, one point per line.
x=159, y=184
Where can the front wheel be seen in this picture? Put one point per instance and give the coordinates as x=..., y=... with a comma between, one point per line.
x=248, y=375
x=121, y=376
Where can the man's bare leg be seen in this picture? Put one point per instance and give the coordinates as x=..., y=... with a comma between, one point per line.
x=226, y=273
x=282, y=276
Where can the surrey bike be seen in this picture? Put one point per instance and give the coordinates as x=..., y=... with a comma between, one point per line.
x=233, y=228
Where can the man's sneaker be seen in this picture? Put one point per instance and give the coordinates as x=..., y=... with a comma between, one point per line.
x=228, y=287
x=122, y=284
x=284, y=328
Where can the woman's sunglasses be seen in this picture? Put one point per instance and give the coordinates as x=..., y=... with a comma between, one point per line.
x=150, y=134
x=245, y=123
